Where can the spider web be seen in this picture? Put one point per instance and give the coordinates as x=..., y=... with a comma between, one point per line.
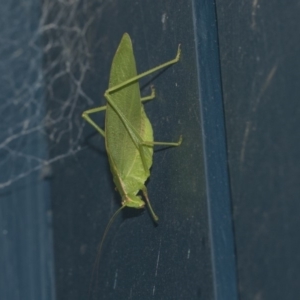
x=46, y=63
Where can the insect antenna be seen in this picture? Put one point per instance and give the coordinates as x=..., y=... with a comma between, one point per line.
x=96, y=263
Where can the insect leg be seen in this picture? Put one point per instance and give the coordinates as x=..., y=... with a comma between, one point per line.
x=133, y=79
x=145, y=193
x=137, y=139
x=149, y=143
x=86, y=116
x=149, y=97
x=131, y=130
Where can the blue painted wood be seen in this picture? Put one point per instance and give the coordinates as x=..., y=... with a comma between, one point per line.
x=259, y=50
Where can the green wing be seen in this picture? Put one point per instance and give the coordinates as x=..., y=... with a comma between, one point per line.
x=123, y=152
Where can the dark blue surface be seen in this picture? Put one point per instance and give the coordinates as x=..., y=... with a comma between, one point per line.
x=260, y=63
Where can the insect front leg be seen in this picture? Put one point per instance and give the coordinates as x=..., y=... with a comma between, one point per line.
x=86, y=116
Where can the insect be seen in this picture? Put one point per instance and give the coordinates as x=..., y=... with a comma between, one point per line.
x=128, y=132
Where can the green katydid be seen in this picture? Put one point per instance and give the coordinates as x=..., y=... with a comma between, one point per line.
x=128, y=132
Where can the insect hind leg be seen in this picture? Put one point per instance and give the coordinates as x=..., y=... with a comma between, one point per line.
x=138, y=77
